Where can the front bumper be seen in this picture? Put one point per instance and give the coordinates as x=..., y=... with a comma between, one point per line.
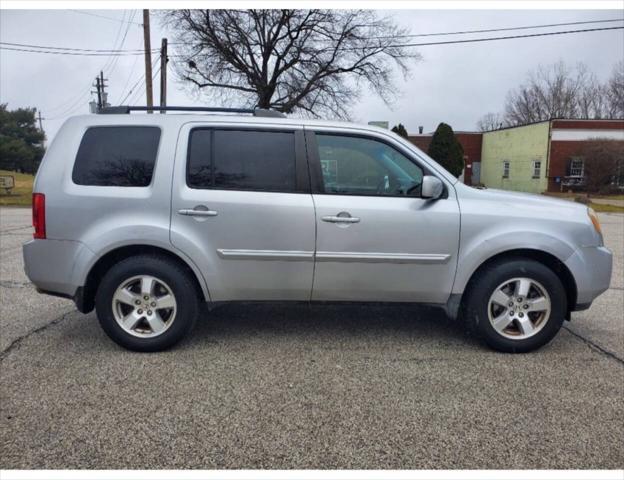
x=591, y=268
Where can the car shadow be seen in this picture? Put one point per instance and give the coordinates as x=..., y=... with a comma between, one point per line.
x=308, y=321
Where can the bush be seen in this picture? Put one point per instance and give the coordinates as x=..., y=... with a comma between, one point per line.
x=604, y=165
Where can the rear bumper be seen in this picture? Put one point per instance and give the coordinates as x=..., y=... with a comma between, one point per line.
x=591, y=268
x=53, y=266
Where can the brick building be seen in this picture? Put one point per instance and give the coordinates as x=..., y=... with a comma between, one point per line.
x=539, y=157
x=567, y=138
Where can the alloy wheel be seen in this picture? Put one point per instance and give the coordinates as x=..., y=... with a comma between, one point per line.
x=144, y=306
x=519, y=308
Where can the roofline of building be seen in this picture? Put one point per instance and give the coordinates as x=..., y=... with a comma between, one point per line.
x=470, y=132
x=559, y=119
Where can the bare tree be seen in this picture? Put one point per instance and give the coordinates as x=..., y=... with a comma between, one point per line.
x=591, y=98
x=490, y=121
x=314, y=61
x=556, y=91
x=614, y=92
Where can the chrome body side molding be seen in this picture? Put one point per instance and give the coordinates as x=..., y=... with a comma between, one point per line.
x=288, y=255
x=365, y=257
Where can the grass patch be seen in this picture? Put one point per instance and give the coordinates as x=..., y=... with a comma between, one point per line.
x=599, y=207
x=610, y=197
x=21, y=195
x=566, y=195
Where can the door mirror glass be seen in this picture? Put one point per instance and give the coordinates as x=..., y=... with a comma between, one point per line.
x=432, y=187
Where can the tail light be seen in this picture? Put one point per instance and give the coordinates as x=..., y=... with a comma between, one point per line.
x=38, y=215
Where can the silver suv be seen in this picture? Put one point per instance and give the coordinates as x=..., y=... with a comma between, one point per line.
x=145, y=217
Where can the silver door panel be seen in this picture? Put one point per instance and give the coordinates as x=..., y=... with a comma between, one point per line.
x=402, y=249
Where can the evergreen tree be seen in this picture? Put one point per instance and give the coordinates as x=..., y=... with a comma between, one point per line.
x=446, y=149
x=400, y=130
x=21, y=142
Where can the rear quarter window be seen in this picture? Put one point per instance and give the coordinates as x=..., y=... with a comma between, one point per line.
x=117, y=156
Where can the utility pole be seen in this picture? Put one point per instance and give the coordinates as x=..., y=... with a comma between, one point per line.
x=148, y=59
x=41, y=127
x=100, y=86
x=103, y=90
x=163, y=74
x=98, y=90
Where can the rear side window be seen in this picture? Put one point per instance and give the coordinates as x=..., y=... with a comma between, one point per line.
x=242, y=160
x=117, y=156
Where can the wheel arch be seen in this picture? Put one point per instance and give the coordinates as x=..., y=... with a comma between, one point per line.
x=86, y=300
x=557, y=266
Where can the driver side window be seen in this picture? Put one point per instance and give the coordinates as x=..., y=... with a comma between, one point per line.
x=363, y=166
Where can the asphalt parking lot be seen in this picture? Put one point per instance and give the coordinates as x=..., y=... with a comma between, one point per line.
x=305, y=387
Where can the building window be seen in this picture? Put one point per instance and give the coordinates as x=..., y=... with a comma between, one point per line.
x=537, y=168
x=577, y=167
x=505, y=168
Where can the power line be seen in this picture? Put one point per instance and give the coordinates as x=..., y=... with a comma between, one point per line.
x=136, y=84
x=83, y=54
x=505, y=29
x=119, y=52
x=488, y=30
x=509, y=37
x=131, y=91
x=110, y=59
x=74, y=106
x=69, y=49
x=103, y=16
x=137, y=95
x=132, y=69
x=110, y=64
x=61, y=106
x=470, y=40
x=115, y=60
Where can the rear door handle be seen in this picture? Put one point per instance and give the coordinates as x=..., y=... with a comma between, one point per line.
x=198, y=212
x=337, y=219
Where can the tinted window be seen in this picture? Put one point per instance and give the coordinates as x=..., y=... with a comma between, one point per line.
x=117, y=156
x=362, y=166
x=242, y=160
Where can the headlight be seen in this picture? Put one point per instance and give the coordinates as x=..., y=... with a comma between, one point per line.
x=594, y=219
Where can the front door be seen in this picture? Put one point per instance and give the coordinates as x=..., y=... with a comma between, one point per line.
x=242, y=210
x=377, y=240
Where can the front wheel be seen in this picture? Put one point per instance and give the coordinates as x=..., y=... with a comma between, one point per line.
x=516, y=305
x=147, y=303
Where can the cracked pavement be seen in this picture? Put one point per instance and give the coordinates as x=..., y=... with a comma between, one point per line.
x=298, y=386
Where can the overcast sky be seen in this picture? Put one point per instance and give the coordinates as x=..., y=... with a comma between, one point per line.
x=453, y=83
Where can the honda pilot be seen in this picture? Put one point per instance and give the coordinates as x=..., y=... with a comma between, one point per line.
x=144, y=217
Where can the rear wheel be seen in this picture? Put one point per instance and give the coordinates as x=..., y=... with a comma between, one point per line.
x=516, y=305
x=147, y=303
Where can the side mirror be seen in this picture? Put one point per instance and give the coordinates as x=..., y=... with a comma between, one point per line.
x=432, y=187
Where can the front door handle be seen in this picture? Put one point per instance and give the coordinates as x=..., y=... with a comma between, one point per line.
x=340, y=219
x=198, y=212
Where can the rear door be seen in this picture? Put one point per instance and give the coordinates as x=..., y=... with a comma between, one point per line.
x=377, y=239
x=242, y=210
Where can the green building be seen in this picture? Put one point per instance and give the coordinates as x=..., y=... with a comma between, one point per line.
x=516, y=158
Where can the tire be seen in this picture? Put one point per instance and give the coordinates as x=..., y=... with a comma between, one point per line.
x=544, y=307
x=164, y=315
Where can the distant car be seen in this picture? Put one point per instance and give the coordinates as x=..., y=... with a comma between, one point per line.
x=144, y=217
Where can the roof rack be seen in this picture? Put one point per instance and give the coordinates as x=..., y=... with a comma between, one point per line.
x=256, y=112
